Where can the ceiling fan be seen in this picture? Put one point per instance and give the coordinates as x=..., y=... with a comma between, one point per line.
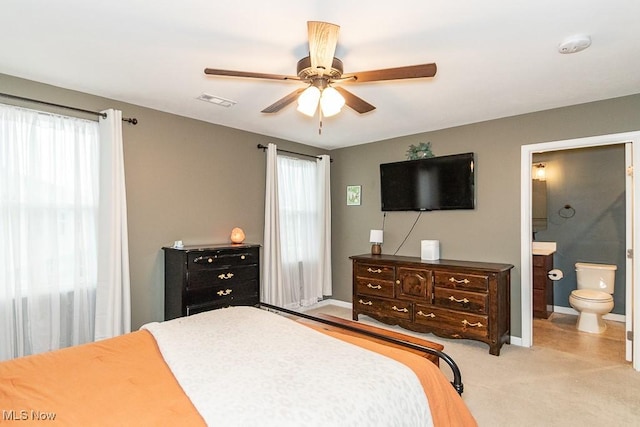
x=321, y=70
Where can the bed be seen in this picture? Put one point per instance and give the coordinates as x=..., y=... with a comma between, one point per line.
x=238, y=366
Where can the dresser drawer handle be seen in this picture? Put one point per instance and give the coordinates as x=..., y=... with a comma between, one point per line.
x=365, y=302
x=201, y=258
x=461, y=301
x=454, y=280
x=225, y=276
x=242, y=257
x=370, y=286
x=465, y=322
x=401, y=310
x=225, y=292
x=371, y=270
x=421, y=313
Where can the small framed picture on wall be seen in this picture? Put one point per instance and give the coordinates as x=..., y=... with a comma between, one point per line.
x=354, y=193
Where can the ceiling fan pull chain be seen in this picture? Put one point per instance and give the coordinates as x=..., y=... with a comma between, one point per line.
x=320, y=118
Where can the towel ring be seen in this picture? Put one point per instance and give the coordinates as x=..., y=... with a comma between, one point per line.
x=566, y=212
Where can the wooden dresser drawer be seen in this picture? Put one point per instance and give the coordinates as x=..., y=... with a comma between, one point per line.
x=459, y=324
x=222, y=258
x=374, y=287
x=384, y=307
x=222, y=294
x=472, y=302
x=221, y=276
x=380, y=272
x=455, y=280
x=214, y=305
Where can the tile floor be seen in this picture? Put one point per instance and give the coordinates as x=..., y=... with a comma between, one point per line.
x=559, y=333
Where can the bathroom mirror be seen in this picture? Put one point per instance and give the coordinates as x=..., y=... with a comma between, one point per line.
x=539, y=205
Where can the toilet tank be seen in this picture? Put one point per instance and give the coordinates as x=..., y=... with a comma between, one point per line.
x=600, y=277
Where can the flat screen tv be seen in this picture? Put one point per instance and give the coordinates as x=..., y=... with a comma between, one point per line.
x=435, y=183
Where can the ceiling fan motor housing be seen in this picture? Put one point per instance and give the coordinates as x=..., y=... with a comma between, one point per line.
x=306, y=71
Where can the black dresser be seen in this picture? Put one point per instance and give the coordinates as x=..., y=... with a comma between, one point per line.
x=202, y=278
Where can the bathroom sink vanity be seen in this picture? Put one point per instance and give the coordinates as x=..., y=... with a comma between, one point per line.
x=542, y=284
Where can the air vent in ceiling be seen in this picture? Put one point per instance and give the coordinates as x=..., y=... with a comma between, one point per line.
x=222, y=102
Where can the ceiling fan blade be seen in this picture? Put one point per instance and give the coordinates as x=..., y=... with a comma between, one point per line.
x=409, y=72
x=354, y=102
x=231, y=73
x=283, y=102
x=323, y=38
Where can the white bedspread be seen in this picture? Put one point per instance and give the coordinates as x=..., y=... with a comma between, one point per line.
x=242, y=366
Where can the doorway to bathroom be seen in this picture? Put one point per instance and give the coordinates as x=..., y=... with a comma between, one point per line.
x=551, y=150
x=579, y=205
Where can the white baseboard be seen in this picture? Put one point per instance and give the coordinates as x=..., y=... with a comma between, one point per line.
x=328, y=301
x=337, y=302
x=517, y=341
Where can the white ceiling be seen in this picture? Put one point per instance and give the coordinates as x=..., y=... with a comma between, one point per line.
x=495, y=58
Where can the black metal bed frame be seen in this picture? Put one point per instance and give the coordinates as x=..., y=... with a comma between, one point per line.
x=457, y=378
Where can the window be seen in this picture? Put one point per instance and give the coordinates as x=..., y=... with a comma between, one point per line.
x=49, y=167
x=298, y=203
x=297, y=231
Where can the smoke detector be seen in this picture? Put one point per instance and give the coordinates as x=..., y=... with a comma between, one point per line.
x=574, y=44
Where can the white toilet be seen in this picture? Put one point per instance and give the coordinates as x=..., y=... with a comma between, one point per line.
x=593, y=298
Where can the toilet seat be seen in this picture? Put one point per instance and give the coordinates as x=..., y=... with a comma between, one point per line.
x=591, y=295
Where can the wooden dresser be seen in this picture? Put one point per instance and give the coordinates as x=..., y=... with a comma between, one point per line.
x=453, y=299
x=542, y=286
x=202, y=278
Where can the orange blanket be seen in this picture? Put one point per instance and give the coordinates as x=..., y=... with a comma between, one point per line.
x=120, y=381
x=125, y=381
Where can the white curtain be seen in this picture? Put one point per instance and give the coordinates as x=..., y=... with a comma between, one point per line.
x=48, y=221
x=297, y=231
x=324, y=209
x=113, y=303
x=64, y=266
x=272, y=290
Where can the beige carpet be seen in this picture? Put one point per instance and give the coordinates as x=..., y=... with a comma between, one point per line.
x=537, y=386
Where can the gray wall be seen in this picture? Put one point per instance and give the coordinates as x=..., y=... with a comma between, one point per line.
x=195, y=181
x=592, y=181
x=491, y=232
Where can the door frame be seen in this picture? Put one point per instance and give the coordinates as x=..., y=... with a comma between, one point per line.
x=526, y=159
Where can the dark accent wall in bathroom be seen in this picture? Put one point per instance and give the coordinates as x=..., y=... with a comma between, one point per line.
x=592, y=181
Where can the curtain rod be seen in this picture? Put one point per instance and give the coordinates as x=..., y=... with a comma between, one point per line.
x=132, y=121
x=264, y=147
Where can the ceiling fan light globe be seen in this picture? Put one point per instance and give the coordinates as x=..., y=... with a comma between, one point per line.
x=331, y=102
x=308, y=101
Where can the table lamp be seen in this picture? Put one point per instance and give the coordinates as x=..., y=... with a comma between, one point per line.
x=375, y=237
